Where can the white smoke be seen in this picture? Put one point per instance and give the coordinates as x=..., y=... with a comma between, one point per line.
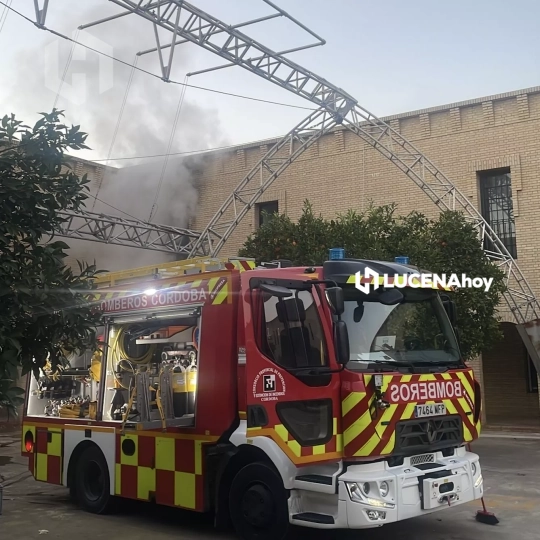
x=144, y=129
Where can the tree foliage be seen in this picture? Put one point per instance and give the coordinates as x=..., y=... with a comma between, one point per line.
x=43, y=314
x=448, y=244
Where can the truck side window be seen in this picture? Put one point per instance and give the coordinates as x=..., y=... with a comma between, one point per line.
x=292, y=344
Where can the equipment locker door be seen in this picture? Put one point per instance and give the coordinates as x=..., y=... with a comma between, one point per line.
x=291, y=396
x=48, y=455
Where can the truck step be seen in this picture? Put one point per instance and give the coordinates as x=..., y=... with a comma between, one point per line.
x=313, y=517
x=315, y=479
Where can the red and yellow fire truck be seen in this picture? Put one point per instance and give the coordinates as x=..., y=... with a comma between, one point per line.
x=271, y=395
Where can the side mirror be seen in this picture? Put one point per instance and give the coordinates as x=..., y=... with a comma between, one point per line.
x=451, y=310
x=341, y=342
x=334, y=296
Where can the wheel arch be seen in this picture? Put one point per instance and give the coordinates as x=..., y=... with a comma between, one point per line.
x=232, y=462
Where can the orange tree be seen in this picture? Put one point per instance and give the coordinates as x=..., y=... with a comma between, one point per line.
x=448, y=244
x=43, y=313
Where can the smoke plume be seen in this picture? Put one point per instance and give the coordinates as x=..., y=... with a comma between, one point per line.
x=94, y=100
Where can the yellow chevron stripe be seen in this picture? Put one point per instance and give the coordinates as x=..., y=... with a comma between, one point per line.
x=408, y=412
x=355, y=429
x=387, y=416
x=369, y=446
x=391, y=443
x=221, y=296
x=464, y=378
x=350, y=401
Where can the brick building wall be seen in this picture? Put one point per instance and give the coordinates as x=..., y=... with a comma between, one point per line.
x=505, y=380
x=341, y=172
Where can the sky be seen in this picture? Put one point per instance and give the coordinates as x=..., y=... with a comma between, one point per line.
x=392, y=56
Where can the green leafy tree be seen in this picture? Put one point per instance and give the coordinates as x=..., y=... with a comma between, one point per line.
x=448, y=244
x=43, y=312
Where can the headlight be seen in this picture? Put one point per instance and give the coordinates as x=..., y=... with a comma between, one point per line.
x=356, y=493
x=383, y=488
x=366, y=488
x=478, y=482
x=473, y=467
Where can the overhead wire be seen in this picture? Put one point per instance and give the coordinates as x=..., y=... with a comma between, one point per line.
x=66, y=69
x=171, y=81
x=118, y=121
x=169, y=146
x=184, y=153
x=185, y=85
x=4, y=15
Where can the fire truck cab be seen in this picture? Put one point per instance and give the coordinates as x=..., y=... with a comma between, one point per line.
x=271, y=396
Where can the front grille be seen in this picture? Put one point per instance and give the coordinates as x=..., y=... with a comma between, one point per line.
x=424, y=458
x=428, y=434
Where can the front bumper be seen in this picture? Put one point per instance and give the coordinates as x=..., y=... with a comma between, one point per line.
x=413, y=489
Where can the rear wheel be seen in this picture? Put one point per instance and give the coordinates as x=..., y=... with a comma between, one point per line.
x=92, y=482
x=258, y=503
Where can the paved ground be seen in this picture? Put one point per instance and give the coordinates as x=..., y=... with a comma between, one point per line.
x=511, y=470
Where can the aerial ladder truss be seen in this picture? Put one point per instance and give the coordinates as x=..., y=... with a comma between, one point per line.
x=184, y=23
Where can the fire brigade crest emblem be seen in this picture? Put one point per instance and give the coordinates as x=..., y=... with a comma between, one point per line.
x=269, y=385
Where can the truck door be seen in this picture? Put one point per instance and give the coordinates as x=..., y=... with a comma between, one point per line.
x=291, y=397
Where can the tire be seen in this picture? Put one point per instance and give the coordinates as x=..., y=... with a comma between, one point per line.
x=92, y=482
x=258, y=504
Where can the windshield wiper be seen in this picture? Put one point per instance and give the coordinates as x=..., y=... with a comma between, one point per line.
x=396, y=363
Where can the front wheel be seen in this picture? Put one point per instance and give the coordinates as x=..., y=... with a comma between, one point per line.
x=258, y=504
x=92, y=482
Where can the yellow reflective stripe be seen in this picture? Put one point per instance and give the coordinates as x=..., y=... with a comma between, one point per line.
x=146, y=482
x=408, y=412
x=391, y=443
x=118, y=479
x=350, y=401
x=339, y=442
x=320, y=449
x=184, y=489
x=41, y=467
x=54, y=448
x=221, y=296
x=295, y=447
x=464, y=378
x=355, y=429
x=282, y=432
x=165, y=454
x=369, y=446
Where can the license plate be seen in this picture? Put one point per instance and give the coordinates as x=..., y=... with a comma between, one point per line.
x=432, y=409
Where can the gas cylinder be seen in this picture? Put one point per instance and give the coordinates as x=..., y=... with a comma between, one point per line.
x=191, y=388
x=180, y=391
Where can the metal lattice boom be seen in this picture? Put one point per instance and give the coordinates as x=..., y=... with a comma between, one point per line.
x=188, y=24
x=126, y=232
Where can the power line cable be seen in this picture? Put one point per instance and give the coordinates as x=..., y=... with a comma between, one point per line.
x=4, y=15
x=187, y=152
x=169, y=146
x=205, y=89
x=66, y=69
x=119, y=119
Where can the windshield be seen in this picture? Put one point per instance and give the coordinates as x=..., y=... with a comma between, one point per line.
x=415, y=331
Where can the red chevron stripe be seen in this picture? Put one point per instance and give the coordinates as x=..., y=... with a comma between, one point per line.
x=357, y=411
x=390, y=428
